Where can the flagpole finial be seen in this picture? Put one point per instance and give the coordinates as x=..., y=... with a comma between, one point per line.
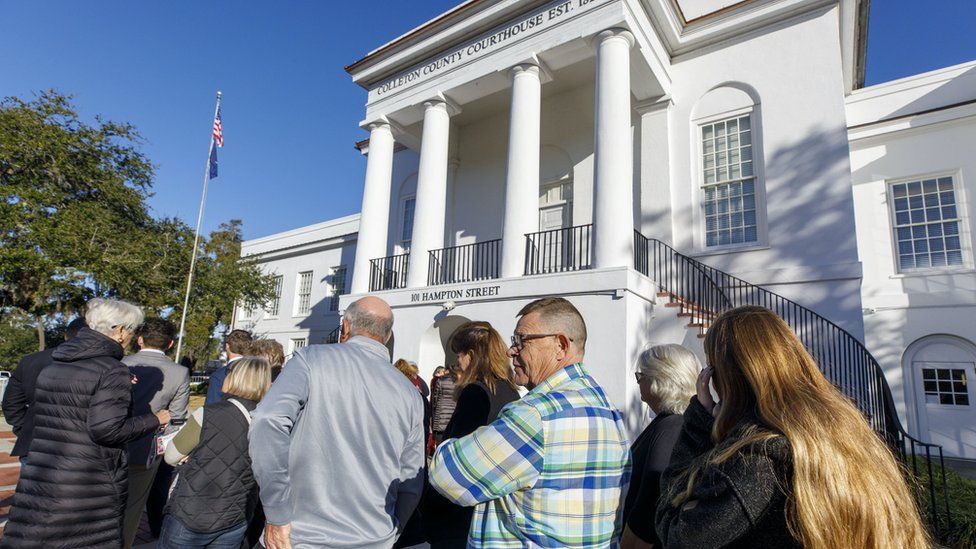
x=218, y=93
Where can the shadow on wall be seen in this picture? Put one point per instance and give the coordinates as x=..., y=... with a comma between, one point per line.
x=810, y=222
x=322, y=318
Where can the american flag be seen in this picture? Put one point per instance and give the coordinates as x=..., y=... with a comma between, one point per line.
x=218, y=130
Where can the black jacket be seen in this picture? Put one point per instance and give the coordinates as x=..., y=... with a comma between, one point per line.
x=738, y=503
x=216, y=489
x=443, y=520
x=72, y=487
x=18, y=398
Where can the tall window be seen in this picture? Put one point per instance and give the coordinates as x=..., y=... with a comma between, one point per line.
x=926, y=224
x=297, y=343
x=338, y=286
x=275, y=304
x=406, y=222
x=303, y=298
x=728, y=182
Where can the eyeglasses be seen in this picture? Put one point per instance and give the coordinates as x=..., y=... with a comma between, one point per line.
x=518, y=340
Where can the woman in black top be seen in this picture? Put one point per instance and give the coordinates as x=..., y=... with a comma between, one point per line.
x=666, y=375
x=485, y=385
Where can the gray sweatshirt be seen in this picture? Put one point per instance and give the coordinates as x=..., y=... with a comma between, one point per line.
x=337, y=447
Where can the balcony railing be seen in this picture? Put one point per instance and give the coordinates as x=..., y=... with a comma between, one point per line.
x=388, y=273
x=468, y=263
x=703, y=292
x=558, y=250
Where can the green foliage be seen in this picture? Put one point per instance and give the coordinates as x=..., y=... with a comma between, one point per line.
x=17, y=338
x=74, y=224
x=960, y=531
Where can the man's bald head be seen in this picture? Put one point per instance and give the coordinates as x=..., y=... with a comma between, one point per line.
x=370, y=317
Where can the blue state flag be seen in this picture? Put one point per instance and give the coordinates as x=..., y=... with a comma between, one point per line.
x=213, y=161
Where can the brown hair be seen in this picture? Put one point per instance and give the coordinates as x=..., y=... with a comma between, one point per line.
x=489, y=361
x=846, y=490
x=406, y=368
x=250, y=378
x=238, y=341
x=558, y=313
x=269, y=349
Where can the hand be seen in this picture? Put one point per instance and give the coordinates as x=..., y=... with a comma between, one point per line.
x=704, y=394
x=277, y=537
x=133, y=379
x=163, y=416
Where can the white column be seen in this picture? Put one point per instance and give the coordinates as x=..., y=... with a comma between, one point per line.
x=371, y=242
x=429, y=215
x=613, y=164
x=522, y=176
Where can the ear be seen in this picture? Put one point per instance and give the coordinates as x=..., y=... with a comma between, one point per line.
x=140, y=343
x=564, y=345
x=168, y=347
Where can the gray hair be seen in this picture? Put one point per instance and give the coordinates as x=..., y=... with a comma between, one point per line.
x=366, y=322
x=672, y=372
x=102, y=315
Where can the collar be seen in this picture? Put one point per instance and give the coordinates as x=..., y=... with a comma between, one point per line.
x=233, y=360
x=371, y=345
x=566, y=374
x=157, y=351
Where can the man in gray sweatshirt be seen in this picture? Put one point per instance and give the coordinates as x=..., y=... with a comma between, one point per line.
x=337, y=444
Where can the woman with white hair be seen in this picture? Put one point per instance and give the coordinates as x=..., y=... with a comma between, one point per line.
x=73, y=484
x=666, y=375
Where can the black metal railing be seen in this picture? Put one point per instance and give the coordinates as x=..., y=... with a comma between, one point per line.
x=703, y=292
x=388, y=273
x=467, y=263
x=333, y=336
x=559, y=250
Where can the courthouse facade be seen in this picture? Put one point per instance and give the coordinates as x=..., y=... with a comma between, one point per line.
x=656, y=161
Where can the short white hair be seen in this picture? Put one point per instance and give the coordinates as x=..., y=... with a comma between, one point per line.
x=102, y=315
x=672, y=372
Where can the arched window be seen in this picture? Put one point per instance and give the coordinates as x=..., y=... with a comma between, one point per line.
x=728, y=174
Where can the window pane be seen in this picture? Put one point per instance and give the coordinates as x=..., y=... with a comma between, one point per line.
x=949, y=212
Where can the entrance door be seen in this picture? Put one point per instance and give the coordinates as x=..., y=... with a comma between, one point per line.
x=555, y=212
x=946, y=400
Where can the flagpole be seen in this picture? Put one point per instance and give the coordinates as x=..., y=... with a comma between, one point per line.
x=196, y=239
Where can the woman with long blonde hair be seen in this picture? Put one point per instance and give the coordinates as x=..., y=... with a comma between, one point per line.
x=485, y=384
x=783, y=459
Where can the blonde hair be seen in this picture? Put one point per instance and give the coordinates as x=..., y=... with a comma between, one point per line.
x=269, y=349
x=671, y=371
x=407, y=368
x=249, y=377
x=846, y=488
x=489, y=361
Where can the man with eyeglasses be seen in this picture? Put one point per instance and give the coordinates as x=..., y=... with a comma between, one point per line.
x=551, y=471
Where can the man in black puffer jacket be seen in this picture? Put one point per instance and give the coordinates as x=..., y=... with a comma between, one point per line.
x=72, y=487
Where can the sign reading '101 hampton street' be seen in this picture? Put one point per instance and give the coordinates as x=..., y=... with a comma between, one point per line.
x=446, y=295
x=546, y=17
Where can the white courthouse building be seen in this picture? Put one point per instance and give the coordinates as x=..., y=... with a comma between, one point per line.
x=656, y=162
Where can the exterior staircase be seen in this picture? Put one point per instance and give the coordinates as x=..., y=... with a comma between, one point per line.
x=700, y=293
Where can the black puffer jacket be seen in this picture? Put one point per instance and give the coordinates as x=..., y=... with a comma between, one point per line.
x=216, y=488
x=72, y=487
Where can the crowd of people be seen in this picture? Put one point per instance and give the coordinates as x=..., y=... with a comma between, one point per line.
x=511, y=445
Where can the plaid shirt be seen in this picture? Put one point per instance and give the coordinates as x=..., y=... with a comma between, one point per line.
x=551, y=471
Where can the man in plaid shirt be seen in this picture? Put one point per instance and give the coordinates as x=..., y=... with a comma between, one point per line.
x=553, y=469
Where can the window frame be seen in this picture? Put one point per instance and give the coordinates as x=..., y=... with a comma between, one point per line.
x=758, y=176
x=297, y=310
x=294, y=347
x=965, y=237
x=280, y=286
x=403, y=245
x=334, y=291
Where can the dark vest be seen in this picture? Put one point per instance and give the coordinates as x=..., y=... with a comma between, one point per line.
x=216, y=488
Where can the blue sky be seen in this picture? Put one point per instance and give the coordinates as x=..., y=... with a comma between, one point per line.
x=290, y=111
